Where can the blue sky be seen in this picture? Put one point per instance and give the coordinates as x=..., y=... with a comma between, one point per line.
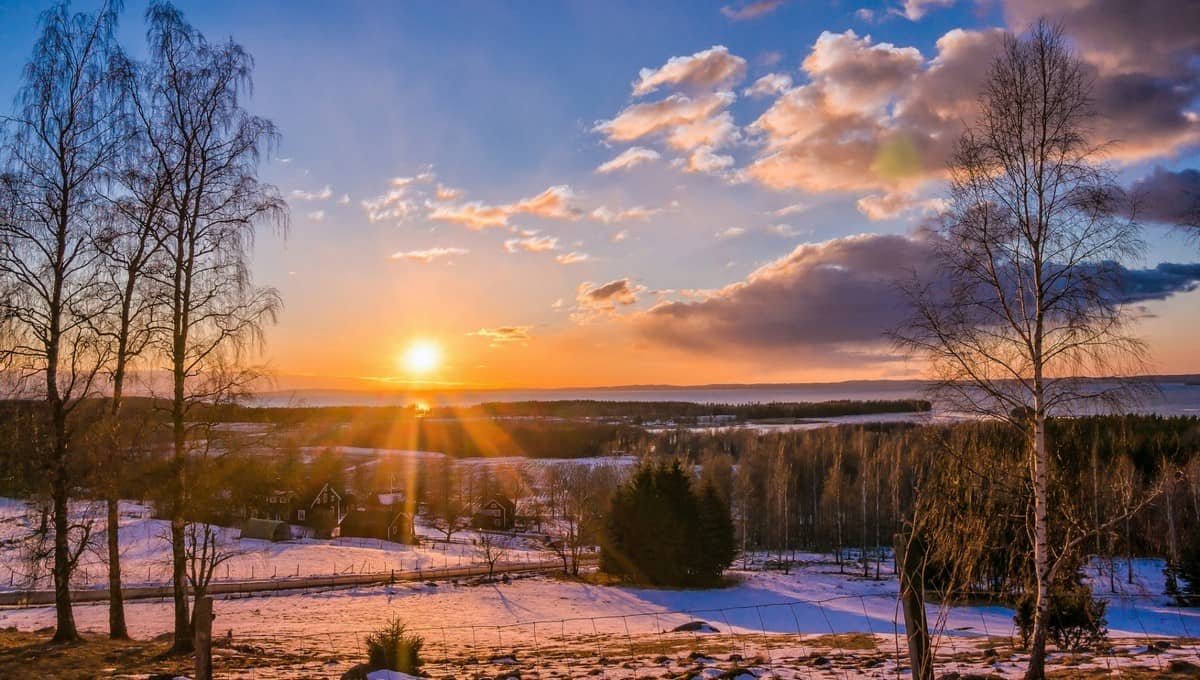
x=501, y=102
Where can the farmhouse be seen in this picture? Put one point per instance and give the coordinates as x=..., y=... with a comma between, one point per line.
x=381, y=522
x=498, y=514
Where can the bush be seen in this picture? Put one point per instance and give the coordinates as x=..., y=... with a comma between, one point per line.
x=1076, y=620
x=659, y=531
x=394, y=648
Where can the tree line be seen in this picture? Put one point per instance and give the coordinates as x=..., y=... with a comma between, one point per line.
x=129, y=200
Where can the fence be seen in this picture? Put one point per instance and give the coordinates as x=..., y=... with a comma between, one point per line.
x=842, y=636
x=235, y=587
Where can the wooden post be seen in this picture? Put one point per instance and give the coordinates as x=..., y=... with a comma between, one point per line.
x=203, y=630
x=912, y=601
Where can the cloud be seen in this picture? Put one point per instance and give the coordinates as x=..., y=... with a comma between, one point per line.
x=1159, y=283
x=884, y=118
x=731, y=232
x=399, y=202
x=473, y=215
x=652, y=118
x=705, y=160
x=786, y=230
x=573, y=257
x=714, y=132
x=500, y=336
x=428, y=255
x=620, y=236
x=790, y=209
x=837, y=296
x=914, y=10
x=896, y=204
x=605, y=299
x=445, y=193
x=629, y=158
x=531, y=244
x=609, y=216
x=556, y=202
x=712, y=68
x=323, y=195
x=1146, y=37
x=768, y=85
x=317, y=215
x=751, y=9
x=394, y=205
x=843, y=290
x=1168, y=197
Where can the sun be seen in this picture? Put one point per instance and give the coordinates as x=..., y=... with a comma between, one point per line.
x=422, y=357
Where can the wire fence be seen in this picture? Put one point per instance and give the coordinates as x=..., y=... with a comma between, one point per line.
x=843, y=636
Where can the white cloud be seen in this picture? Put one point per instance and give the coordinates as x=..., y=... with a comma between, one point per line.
x=914, y=10
x=531, y=244
x=316, y=215
x=609, y=216
x=769, y=85
x=629, y=158
x=705, y=160
x=714, y=67
x=428, y=255
x=790, y=209
x=323, y=195
x=572, y=257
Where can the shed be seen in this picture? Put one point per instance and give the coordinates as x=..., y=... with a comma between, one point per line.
x=266, y=530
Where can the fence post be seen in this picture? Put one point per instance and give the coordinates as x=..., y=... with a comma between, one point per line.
x=203, y=641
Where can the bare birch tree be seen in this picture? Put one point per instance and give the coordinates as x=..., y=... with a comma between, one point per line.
x=62, y=138
x=1028, y=297
x=128, y=245
x=208, y=148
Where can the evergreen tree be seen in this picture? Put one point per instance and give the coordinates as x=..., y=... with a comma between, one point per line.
x=659, y=532
x=718, y=545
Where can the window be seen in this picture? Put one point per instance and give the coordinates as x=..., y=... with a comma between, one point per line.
x=300, y=515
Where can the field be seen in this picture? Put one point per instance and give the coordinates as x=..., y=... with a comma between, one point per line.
x=812, y=622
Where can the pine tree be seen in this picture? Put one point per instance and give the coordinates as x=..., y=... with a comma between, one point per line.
x=718, y=546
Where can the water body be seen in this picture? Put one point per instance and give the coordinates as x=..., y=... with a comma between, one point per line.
x=1169, y=396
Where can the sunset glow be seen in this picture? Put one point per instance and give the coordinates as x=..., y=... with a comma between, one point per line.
x=421, y=358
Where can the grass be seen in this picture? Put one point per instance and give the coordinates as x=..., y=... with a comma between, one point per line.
x=22, y=653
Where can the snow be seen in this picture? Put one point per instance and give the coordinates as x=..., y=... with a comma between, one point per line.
x=390, y=675
x=146, y=556
x=502, y=621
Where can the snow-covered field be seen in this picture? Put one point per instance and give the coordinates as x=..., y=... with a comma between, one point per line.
x=814, y=618
x=539, y=619
x=145, y=552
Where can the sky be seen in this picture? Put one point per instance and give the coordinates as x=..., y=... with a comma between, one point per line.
x=489, y=194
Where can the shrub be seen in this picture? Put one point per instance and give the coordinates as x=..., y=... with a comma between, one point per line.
x=394, y=648
x=1076, y=620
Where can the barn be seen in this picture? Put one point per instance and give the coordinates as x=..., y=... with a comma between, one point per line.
x=381, y=522
x=266, y=530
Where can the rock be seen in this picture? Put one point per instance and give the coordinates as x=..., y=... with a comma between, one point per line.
x=503, y=660
x=695, y=627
